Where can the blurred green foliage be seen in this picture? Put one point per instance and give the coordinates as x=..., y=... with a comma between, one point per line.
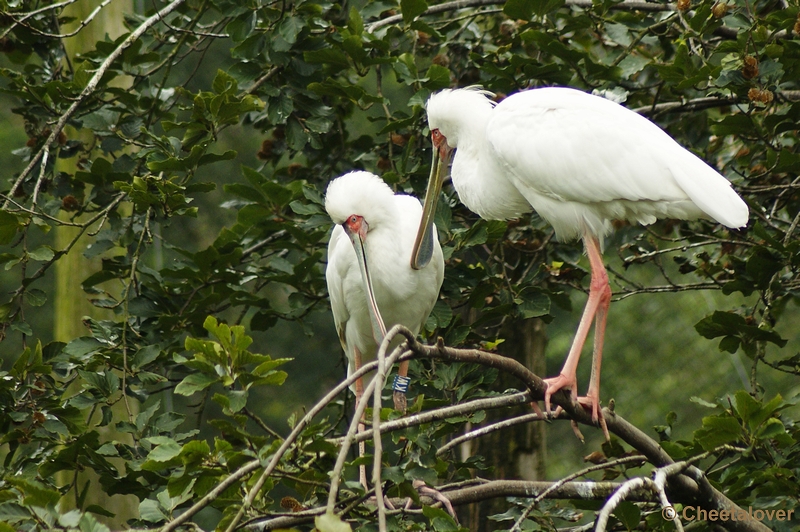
x=295, y=93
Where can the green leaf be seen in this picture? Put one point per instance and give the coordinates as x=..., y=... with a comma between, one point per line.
x=99, y=510
x=628, y=514
x=767, y=410
x=440, y=317
x=89, y=524
x=438, y=77
x=330, y=522
x=718, y=430
x=194, y=383
x=745, y=405
x=35, y=494
x=150, y=511
x=327, y=56
x=532, y=304
x=144, y=356
x=232, y=400
x=224, y=83
x=35, y=297
x=9, y=224
x=12, y=512
x=440, y=519
x=354, y=22
x=42, y=253
x=772, y=428
x=166, y=450
x=273, y=379
x=411, y=9
x=519, y=9
x=269, y=365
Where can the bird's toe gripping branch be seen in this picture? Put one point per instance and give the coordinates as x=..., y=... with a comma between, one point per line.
x=400, y=389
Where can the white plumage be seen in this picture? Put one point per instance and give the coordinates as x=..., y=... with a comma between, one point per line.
x=402, y=295
x=580, y=161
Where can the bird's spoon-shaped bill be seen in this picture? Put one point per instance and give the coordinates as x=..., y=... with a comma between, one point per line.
x=357, y=238
x=422, y=252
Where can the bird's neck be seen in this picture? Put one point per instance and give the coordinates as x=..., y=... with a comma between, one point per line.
x=483, y=185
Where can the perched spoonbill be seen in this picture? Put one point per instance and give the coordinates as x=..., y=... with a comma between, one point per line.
x=371, y=283
x=580, y=161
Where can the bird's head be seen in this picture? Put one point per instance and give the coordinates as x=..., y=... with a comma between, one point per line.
x=453, y=114
x=359, y=201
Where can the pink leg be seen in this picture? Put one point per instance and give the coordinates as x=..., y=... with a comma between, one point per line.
x=592, y=399
x=362, y=447
x=596, y=306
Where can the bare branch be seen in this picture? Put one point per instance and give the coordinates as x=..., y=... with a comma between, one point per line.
x=29, y=14
x=482, y=490
x=82, y=25
x=618, y=296
x=638, y=483
x=443, y=413
x=488, y=429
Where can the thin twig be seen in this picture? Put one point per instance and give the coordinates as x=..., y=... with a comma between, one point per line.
x=350, y=437
x=91, y=86
x=443, y=413
x=488, y=429
x=626, y=5
x=29, y=14
x=253, y=466
x=557, y=485
x=618, y=497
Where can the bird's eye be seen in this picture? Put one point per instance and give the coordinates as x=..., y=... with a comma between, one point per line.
x=353, y=219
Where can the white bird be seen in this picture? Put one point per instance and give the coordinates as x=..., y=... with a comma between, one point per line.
x=580, y=161
x=370, y=280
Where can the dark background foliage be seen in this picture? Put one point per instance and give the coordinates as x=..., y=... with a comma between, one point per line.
x=164, y=208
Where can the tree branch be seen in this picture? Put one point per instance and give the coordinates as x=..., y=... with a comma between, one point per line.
x=481, y=491
x=625, y=5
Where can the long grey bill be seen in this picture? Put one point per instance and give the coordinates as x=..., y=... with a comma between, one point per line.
x=378, y=326
x=423, y=246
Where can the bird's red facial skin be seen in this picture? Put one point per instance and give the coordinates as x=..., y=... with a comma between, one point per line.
x=356, y=225
x=440, y=143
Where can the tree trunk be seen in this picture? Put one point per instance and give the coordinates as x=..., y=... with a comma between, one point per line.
x=517, y=452
x=71, y=302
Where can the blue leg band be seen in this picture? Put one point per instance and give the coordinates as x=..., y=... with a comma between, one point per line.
x=401, y=384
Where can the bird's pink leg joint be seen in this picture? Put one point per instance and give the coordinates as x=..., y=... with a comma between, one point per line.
x=599, y=298
x=601, y=287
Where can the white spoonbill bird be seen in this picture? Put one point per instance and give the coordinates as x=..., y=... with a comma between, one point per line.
x=580, y=161
x=370, y=280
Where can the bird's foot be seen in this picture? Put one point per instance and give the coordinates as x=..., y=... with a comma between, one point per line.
x=435, y=494
x=400, y=401
x=591, y=402
x=538, y=411
x=556, y=383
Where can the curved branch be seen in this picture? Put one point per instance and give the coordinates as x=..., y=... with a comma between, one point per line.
x=488, y=429
x=481, y=491
x=253, y=466
x=691, y=487
x=443, y=413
